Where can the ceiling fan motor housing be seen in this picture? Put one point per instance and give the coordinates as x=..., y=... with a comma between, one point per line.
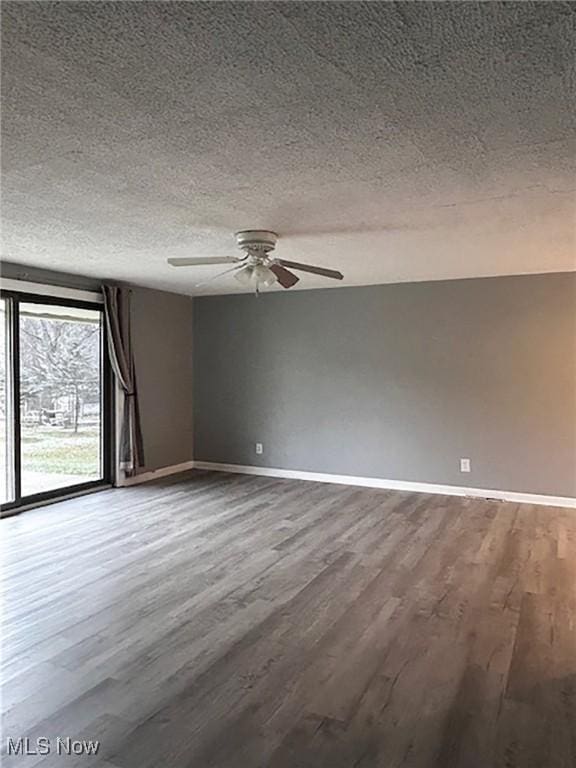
x=256, y=240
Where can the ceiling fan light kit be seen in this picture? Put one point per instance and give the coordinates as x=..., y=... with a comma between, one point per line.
x=245, y=275
x=256, y=266
x=264, y=275
x=255, y=275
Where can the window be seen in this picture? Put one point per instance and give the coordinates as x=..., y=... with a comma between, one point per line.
x=54, y=393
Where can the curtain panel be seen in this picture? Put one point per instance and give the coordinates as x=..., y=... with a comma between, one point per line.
x=119, y=344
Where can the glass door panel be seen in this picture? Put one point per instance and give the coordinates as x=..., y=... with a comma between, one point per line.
x=7, y=491
x=60, y=396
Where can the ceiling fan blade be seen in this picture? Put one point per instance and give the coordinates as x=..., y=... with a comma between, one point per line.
x=285, y=278
x=201, y=260
x=313, y=270
x=220, y=274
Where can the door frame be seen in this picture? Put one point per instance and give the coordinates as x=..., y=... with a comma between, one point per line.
x=14, y=298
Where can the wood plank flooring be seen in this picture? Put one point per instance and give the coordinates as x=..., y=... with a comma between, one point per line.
x=225, y=621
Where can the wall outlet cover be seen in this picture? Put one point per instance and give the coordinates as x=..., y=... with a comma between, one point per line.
x=259, y=448
x=465, y=465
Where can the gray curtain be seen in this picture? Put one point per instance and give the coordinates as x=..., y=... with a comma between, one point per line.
x=117, y=314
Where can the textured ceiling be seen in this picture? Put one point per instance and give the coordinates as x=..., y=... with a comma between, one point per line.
x=393, y=141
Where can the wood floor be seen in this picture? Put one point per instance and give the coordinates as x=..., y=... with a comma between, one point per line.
x=228, y=621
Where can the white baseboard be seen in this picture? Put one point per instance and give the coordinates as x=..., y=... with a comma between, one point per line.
x=155, y=474
x=397, y=485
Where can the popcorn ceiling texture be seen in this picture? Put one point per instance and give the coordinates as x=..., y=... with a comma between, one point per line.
x=393, y=141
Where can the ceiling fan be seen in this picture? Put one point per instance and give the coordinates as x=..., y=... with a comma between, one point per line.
x=256, y=266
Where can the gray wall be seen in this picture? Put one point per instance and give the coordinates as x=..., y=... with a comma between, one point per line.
x=162, y=339
x=396, y=382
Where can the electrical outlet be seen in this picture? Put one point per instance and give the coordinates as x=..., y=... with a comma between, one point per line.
x=259, y=448
x=465, y=465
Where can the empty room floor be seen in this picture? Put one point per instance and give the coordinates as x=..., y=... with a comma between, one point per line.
x=225, y=620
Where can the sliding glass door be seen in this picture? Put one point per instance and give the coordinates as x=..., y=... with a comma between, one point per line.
x=7, y=488
x=55, y=399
